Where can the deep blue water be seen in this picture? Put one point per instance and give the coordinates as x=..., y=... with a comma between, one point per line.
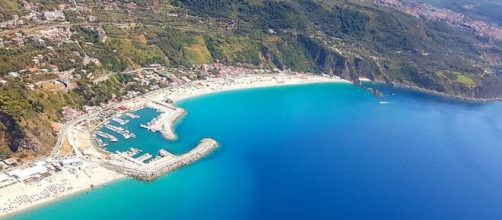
x=323, y=151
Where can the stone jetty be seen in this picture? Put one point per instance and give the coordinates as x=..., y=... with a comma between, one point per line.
x=121, y=163
x=165, y=121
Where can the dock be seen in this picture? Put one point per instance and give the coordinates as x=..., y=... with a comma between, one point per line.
x=163, y=153
x=100, y=142
x=165, y=121
x=120, y=121
x=144, y=157
x=125, y=133
x=106, y=136
x=131, y=115
x=159, y=166
x=132, y=152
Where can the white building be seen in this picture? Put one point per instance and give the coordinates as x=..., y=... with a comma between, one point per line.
x=30, y=172
x=5, y=180
x=71, y=162
x=3, y=165
x=54, y=15
x=14, y=74
x=10, y=161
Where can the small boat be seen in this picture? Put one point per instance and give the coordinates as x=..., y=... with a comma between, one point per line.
x=131, y=115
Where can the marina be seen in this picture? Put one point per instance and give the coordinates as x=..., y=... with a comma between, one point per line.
x=133, y=151
x=131, y=115
x=126, y=134
x=106, y=136
x=120, y=121
x=100, y=142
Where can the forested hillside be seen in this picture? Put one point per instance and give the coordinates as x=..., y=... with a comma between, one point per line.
x=355, y=39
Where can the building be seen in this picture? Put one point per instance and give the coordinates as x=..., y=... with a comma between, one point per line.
x=34, y=172
x=13, y=74
x=10, y=161
x=2, y=165
x=54, y=15
x=70, y=113
x=5, y=180
x=71, y=162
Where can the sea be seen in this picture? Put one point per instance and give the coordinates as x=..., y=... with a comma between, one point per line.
x=317, y=151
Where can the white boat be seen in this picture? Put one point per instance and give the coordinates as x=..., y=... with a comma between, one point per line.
x=106, y=135
x=163, y=153
x=120, y=121
x=131, y=115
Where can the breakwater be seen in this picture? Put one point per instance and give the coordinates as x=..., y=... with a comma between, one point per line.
x=129, y=166
x=165, y=121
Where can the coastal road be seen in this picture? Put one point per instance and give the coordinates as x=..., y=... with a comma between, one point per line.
x=64, y=131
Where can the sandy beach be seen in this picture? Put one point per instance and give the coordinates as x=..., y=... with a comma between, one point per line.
x=21, y=195
x=69, y=181
x=235, y=82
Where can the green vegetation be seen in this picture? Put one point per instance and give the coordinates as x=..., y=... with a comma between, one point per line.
x=19, y=57
x=137, y=52
x=8, y=8
x=234, y=49
x=24, y=112
x=94, y=94
x=197, y=52
x=370, y=41
x=466, y=81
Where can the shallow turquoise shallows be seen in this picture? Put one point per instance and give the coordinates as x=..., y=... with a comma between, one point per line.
x=321, y=151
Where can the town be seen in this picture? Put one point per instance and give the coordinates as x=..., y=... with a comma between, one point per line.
x=457, y=19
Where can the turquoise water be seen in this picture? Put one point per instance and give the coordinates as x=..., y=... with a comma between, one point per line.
x=323, y=151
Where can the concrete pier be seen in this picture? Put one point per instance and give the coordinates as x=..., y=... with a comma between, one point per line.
x=148, y=172
x=165, y=121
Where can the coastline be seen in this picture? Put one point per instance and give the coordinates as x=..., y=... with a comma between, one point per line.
x=445, y=95
x=434, y=93
x=182, y=99
x=62, y=197
x=11, y=194
x=245, y=81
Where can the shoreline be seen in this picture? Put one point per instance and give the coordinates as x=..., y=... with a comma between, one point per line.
x=256, y=87
x=430, y=92
x=76, y=186
x=104, y=178
x=271, y=81
x=63, y=197
x=445, y=95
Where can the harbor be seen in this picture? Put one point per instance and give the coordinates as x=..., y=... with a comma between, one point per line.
x=88, y=155
x=100, y=142
x=131, y=115
x=120, y=121
x=150, y=164
x=126, y=134
x=106, y=136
